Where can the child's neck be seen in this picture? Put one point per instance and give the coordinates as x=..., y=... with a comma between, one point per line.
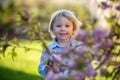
x=63, y=43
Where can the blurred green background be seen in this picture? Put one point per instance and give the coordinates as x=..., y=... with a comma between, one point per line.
x=25, y=13
x=24, y=66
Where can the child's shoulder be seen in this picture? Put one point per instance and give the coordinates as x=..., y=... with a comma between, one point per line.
x=51, y=46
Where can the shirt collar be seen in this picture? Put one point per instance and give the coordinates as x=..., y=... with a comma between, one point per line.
x=55, y=44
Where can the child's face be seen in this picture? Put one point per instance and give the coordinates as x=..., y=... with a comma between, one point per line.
x=62, y=28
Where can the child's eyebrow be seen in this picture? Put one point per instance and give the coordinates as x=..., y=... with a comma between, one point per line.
x=58, y=23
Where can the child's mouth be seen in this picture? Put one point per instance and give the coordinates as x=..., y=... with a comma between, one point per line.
x=62, y=34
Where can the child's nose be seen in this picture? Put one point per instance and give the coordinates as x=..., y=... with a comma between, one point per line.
x=63, y=28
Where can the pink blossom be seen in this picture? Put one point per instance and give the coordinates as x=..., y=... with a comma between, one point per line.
x=54, y=76
x=77, y=75
x=99, y=34
x=72, y=64
x=103, y=71
x=58, y=76
x=107, y=44
x=97, y=57
x=117, y=7
x=90, y=72
x=50, y=76
x=95, y=48
x=105, y=5
x=81, y=35
x=81, y=50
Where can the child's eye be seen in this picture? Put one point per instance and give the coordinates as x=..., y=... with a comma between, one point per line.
x=67, y=25
x=58, y=25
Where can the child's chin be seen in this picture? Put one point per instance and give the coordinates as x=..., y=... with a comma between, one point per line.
x=63, y=38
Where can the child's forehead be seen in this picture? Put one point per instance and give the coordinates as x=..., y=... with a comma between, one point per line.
x=61, y=17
